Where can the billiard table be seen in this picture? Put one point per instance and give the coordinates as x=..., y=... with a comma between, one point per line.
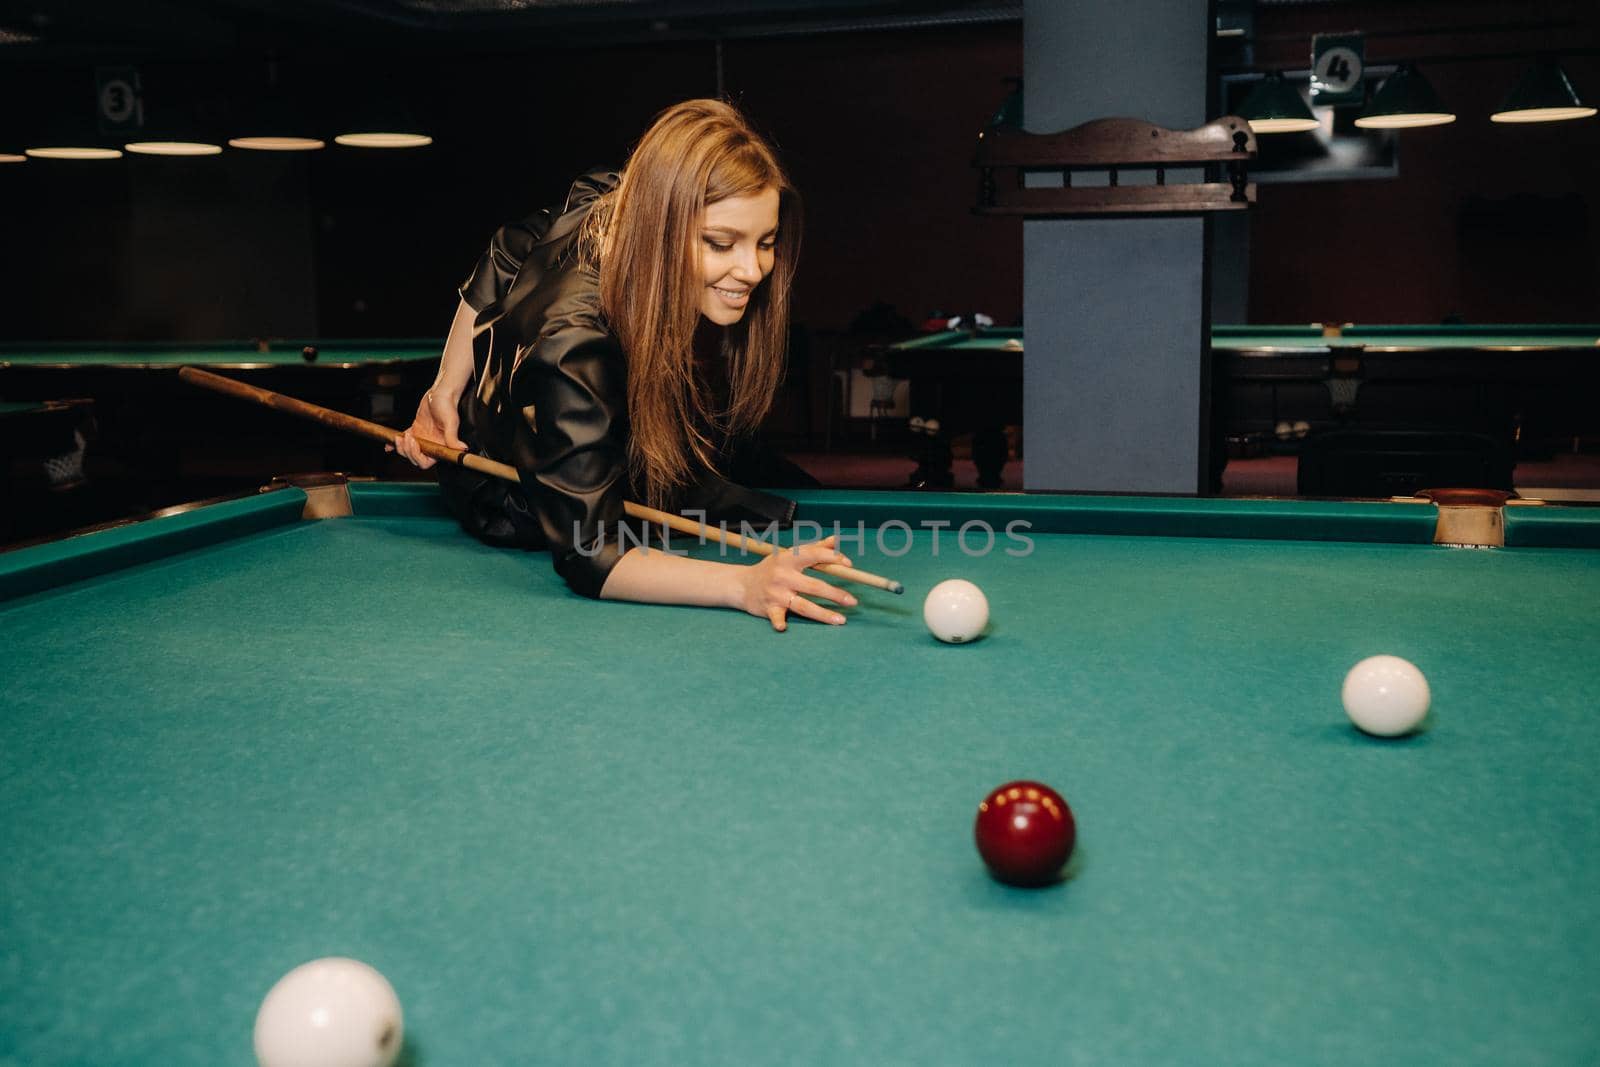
x=159, y=433
x=237, y=738
x=1536, y=385
x=42, y=444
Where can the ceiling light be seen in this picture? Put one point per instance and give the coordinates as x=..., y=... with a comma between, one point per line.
x=1275, y=106
x=1543, y=95
x=1405, y=100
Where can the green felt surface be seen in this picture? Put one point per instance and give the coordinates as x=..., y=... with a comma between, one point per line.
x=224, y=355
x=573, y=832
x=998, y=338
x=983, y=339
x=1409, y=336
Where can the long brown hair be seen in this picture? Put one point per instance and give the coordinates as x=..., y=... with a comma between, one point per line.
x=645, y=236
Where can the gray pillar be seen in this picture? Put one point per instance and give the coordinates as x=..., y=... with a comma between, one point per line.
x=1115, y=309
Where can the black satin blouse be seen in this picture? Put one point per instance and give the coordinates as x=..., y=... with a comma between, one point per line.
x=550, y=397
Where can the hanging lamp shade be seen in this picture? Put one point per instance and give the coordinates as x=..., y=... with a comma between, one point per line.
x=67, y=139
x=173, y=147
x=384, y=138
x=1009, y=115
x=1275, y=106
x=276, y=118
x=1543, y=95
x=10, y=146
x=70, y=130
x=1405, y=100
x=381, y=120
x=385, y=135
x=174, y=125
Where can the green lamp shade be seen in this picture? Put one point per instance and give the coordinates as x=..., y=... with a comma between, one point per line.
x=173, y=148
x=174, y=139
x=381, y=122
x=86, y=151
x=277, y=116
x=1275, y=106
x=1543, y=95
x=277, y=143
x=177, y=118
x=1405, y=100
x=68, y=129
x=276, y=122
x=383, y=139
x=1009, y=116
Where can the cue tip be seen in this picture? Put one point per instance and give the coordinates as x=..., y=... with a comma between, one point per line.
x=896, y=588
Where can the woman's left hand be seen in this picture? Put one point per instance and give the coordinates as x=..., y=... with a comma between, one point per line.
x=779, y=586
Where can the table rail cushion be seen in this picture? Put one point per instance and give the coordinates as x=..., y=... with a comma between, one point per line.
x=1296, y=520
x=87, y=555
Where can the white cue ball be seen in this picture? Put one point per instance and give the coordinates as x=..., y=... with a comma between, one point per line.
x=329, y=1013
x=956, y=611
x=1385, y=696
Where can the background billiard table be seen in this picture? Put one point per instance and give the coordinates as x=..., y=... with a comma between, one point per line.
x=161, y=442
x=1535, y=388
x=233, y=739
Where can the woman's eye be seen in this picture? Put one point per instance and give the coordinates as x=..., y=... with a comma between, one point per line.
x=768, y=246
x=715, y=247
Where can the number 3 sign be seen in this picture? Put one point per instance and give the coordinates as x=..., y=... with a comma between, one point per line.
x=118, y=104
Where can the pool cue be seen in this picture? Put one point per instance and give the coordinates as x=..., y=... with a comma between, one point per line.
x=338, y=420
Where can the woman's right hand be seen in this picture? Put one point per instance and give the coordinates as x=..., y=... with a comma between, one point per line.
x=437, y=420
x=779, y=586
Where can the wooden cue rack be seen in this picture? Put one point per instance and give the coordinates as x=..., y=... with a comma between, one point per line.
x=1223, y=148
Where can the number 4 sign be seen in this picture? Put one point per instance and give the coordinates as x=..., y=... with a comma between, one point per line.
x=1337, y=62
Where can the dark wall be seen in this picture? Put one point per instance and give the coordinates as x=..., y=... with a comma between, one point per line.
x=879, y=132
x=149, y=247
x=1489, y=222
x=877, y=129
x=1492, y=223
x=1486, y=222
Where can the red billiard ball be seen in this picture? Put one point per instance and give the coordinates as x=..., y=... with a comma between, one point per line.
x=1025, y=833
x=309, y=353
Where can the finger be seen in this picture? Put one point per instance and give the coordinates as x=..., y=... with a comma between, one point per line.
x=826, y=543
x=816, y=587
x=814, y=554
x=776, y=615
x=803, y=607
x=412, y=451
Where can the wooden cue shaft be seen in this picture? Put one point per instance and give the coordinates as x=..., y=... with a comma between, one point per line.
x=340, y=421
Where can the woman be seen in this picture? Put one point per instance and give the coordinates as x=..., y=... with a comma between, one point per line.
x=577, y=335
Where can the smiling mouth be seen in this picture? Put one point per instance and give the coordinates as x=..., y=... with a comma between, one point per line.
x=731, y=294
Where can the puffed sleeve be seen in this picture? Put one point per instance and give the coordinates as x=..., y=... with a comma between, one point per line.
x=497, y=267
x=569, y=390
